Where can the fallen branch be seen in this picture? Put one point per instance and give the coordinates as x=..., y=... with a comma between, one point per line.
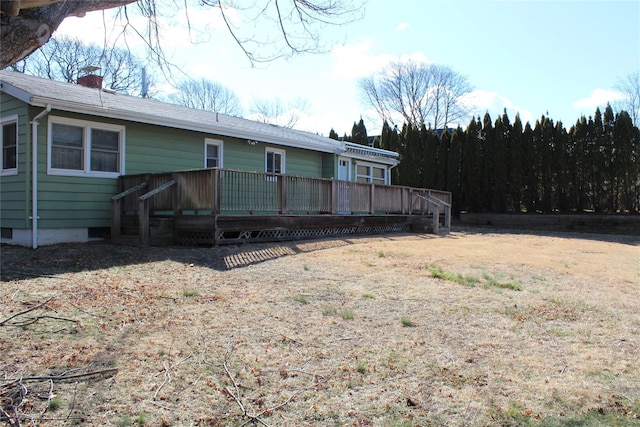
x=35, y=307
x=64, y=376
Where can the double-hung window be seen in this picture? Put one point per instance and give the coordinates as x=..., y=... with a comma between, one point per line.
x=9, y=155
x=212, y=153
x=370, y=173
x=82, y=148
x=274, y=160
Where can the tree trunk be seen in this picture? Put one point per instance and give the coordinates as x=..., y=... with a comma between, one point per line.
x=24, y=30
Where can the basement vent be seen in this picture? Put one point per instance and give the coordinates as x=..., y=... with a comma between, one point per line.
x=6, y=233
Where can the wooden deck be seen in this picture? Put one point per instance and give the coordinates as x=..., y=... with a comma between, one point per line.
x=222, y=206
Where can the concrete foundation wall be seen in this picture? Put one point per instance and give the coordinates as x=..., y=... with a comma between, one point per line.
x=584, y=223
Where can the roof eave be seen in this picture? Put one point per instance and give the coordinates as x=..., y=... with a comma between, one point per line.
x=179, y=124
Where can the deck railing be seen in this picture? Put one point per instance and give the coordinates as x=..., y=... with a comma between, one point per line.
x=225, y=191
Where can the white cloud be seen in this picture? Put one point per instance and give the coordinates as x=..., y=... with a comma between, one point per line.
x=355, y=60
x=482, y=101
x=403, y=26
x=598, y=98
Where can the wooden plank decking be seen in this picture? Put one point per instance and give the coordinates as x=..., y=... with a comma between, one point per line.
x=221, y=206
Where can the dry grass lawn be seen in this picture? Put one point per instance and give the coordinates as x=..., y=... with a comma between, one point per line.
x=477, y=328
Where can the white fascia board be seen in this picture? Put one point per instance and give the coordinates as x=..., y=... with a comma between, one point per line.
x=179, y=124
x=20, y=94
x=372, y=159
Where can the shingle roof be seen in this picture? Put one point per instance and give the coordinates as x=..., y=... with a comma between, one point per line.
x=71, y=97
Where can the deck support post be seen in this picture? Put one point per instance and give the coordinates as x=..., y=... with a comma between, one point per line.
x=372, y=198
x=282, y=194
x=217, y=191
x=116, y=219
x=177, y=197
x=334, y=196
x=143, y=222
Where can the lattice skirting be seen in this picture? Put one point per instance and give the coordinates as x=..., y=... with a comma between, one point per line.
x=195, y=238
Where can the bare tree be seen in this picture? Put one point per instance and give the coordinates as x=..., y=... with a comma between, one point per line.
x=207, y=95
x=630, y=87
x=418, y=93
x=63, y=58
x=290, y=26
x=276, y=112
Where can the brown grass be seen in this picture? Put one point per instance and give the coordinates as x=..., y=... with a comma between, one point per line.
x=315, y=333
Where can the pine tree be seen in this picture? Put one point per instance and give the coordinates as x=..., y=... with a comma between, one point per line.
x=333, y=135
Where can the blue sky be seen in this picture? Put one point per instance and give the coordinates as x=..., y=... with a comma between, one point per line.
x=560, y=58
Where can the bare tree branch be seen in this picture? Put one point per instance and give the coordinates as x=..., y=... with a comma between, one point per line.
x=417, y=93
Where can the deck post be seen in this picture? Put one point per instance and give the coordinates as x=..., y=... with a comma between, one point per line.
x=116, y=219
x=177, y=196
x=282, y=194
x=334, y=196
x=143, y=222
x=372, y=198
x=217, y=189
x=436, y=218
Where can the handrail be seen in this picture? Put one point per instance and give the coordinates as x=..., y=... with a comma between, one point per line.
x=436, y=215
x=125, y=193
x=157, y=190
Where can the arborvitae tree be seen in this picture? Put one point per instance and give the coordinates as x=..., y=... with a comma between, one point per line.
x=454, y=172
x=597, y=163
x=347, y=138
x=430, y=158
x=515, y=161
x=389, y=141
x=444, y=145
x=609, y=159
x=487, y=143
x=578, y=165
x=529, y=171
x=562, y=173
x=413, y=168
x=544, y=134
x=333, y=135
x=359, y=133
x=626, y=141
x=501, y=171
x=471, y=173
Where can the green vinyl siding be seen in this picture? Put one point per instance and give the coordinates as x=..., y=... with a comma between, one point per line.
x=329, y=166
x=85, y=201
x=14, y=197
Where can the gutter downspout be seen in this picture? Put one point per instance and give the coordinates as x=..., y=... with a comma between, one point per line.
x=34, y=176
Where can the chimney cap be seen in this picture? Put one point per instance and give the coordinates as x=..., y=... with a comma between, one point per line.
x=90, y=69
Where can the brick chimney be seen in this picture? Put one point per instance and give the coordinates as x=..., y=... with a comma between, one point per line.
x=89, y=79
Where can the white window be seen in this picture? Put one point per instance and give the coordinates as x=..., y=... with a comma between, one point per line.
x=81, y=148
x=212, y=153
x=9, y=142
x=371, y=174
x=274, y=160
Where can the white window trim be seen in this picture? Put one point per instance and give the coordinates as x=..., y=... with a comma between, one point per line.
x=370, y=176
x=86, y=125
x=277, y=151
x=220, y=144
x=3, y=121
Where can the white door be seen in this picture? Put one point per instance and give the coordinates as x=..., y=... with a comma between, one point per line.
x=344, y=169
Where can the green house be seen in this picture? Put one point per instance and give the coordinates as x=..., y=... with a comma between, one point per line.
x=64, y=146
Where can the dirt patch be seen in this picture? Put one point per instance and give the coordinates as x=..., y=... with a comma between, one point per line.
x=519, y=329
